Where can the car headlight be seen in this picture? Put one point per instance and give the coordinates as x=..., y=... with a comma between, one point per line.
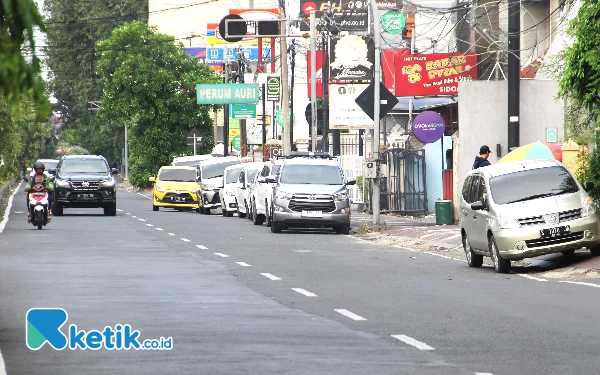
x=588, y=207
x=209, y=187
x=62, y=183
x=283, y=195
x=229, y=192
x=108, y=183
x=340, y=197
x=508, y=222
x=160, y=189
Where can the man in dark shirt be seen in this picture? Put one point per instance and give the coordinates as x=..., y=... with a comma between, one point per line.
x=482, y=159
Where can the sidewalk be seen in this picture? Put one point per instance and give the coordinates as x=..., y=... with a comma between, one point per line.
x=445, y=240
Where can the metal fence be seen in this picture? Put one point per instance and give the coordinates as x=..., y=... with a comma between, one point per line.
x=353, y=168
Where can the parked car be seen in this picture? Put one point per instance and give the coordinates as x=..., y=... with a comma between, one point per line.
x=228, y=192
x=525, y=209
x=84, y=181
x=176, y=187
x=211, y=180
x=262, y=191
x=310, y=191
x=247, y=175
x=190, y=161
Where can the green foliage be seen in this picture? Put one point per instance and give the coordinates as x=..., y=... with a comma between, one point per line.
x=20, y=74
x=73, y=29
x=150, y=85
x=359, y=183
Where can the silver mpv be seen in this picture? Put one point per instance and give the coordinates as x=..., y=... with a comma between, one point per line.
x=525, y=209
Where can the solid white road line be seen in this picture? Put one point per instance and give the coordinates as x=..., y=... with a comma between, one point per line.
x=410, y=341
x=149, y=225
x=171, y=234
x=185, y=240
x=349, y=314
x=158, y=228
x=2, y=365
x=581, y=283
x=269, y=276
x=7, y=212
x=222, y=255
x=202, y=247
x=531, y=277
x=305, y=292
x=243, y=264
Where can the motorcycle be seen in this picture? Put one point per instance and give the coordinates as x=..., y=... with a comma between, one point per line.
x=38, y=206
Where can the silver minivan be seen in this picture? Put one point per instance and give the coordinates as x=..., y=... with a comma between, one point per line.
x=525, y=209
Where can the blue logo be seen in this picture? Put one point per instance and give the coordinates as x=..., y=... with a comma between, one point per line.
x=44, y=326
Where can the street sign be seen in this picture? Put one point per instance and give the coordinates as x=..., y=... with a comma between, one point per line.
x=551, y=135
x=273, y=88
x=200, y=139
x=227, y=93
x=267, y=120
x=393, y=22
x=279, y=118
x=243, y=111
x=236, y=143
x=366, y=100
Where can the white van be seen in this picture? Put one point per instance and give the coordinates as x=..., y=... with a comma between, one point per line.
x=190, y=161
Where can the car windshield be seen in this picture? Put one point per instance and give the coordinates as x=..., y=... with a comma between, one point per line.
x=95, y=166
x=233, y=175
x=189, y=163
x=250, y=176
x=311, y=174
x=181, y=175
x=217, y=170
x=275, y=169
x=531, y=184
x=50, y=164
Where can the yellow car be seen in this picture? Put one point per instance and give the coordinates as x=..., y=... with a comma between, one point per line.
x=176, y=187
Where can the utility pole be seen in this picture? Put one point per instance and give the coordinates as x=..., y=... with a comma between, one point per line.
x=264, y=117
x=514, y=71
x=285, y=94
x=376, y=108
x=226, y=106
x=313, y=83
x=126, y=155
x=325, y=81
x=293, y=51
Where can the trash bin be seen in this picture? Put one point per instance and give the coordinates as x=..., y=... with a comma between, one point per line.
x=444, y=214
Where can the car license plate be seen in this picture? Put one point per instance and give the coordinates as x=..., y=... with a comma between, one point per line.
x=177, y=199
x=555, y=232
x=312, y=213
x=85, y=197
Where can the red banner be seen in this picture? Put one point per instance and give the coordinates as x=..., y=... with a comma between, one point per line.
x=319, y=74
x=434, y=73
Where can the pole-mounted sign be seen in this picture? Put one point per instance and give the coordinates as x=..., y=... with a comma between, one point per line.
x=273, y=88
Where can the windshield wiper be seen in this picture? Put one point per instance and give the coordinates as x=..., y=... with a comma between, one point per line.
x=532, y=197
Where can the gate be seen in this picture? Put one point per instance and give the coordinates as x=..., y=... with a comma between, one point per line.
x=404, y=188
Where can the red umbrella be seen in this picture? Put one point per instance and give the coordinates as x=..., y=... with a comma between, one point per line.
x=556, y=150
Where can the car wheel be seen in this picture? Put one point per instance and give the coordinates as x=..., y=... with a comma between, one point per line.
x=154, y=208
x=344, y=229
x=568, y=253
x=275, y=228
x=473, y=260
x=501, y=265
x=258, y=219
x=595, y=251
x=110, y=210
x=223, y=211
x=197, y=209
x=229, y=213
x=268, y=217
x=249, y=213
x=57, y=209
x=206, y=211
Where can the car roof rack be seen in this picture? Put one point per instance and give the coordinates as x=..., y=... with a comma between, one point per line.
x=309, y=154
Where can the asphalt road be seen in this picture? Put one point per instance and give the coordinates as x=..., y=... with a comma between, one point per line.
x=237, y=299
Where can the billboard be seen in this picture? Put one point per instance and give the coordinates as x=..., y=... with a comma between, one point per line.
x=352, y=58
x=434, y=73
x=345, y=15
x=344, y=113
x=214, y=57
x=319, y=71
x=197, y=52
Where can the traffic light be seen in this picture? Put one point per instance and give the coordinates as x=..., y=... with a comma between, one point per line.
x=408, y=30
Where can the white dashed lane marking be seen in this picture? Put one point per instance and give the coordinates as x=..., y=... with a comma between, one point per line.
x=243, y=264
x=410, y=341
x=222, y=255
x=269, y=276
x=171, y=234
x=185, y=240
x=149, y=225
x=349, y=314
x=304, y=292
x=158, y=228
x=202, y=247
x=532, y=277
x=141, y=220
x=581, y=283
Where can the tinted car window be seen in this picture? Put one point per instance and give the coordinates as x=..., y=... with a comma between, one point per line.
x=531, y=184
x=251, y=174
x=216, y=170
x=95, y=166
x=474, y=190
x=275, y=169
x=466, y=186
x=50, y=164
x=233, y=175
x=312, y=174
x=182, y=175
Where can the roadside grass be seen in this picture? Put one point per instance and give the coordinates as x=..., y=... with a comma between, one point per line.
x=366, y=228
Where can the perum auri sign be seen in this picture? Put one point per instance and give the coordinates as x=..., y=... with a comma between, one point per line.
x=227, y=93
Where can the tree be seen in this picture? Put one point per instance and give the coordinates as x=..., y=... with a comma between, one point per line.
x=19, y=65
x=150, y=86
x=73, y=29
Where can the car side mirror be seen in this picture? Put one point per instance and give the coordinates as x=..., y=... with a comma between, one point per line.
x=477, y=206
x=587, y=186
x=261, y=180
x=271, y=179
x=114, y=170
x=152, y=179
x=351, y=182
x=29, y=169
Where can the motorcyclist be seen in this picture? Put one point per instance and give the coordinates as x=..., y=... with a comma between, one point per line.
x=39, y=176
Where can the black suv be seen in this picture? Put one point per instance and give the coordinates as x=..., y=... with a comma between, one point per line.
x=84, y=181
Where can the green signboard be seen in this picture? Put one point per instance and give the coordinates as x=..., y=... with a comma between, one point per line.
x=236, y=143
x=393, y=22
x=227, y=93
x=273, y=89
x=279, y=118
x=243, y=111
